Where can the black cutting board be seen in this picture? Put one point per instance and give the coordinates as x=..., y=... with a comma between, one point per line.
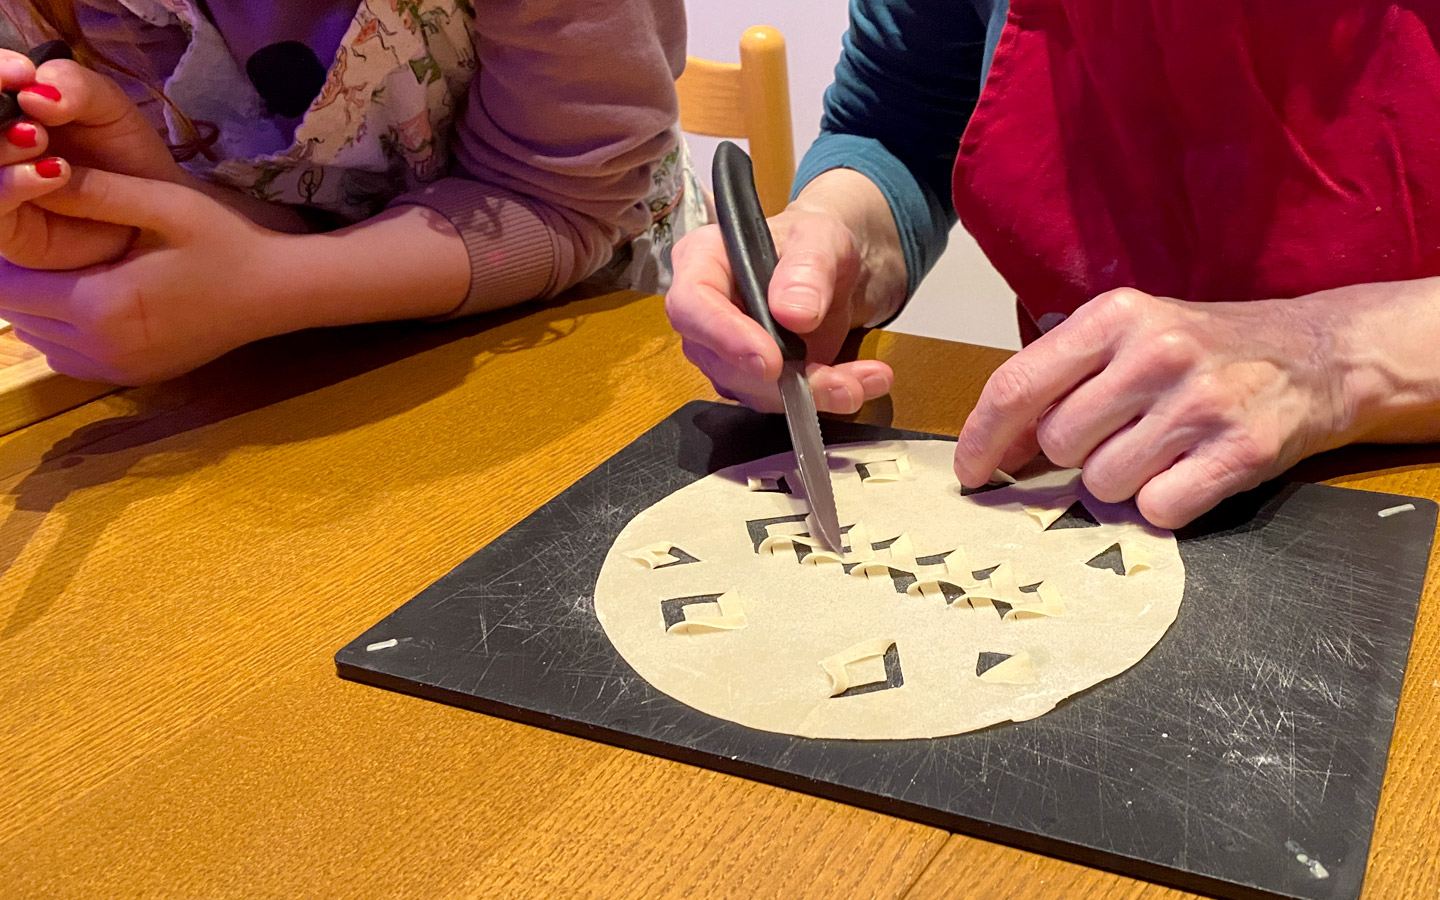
x=1242, y=757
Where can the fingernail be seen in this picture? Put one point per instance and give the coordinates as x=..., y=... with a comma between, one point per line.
x=875, y=385
x=802, y=300
x=42, y=90
x=840, y=398
x=22, y=134
x=754, y=363
x=49, y=167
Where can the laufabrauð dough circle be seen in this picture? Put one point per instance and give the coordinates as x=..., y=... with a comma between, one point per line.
x=950, y=610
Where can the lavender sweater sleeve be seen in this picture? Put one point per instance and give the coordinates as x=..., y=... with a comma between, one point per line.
x=572, y=107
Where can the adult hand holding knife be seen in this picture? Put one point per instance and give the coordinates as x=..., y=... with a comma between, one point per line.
x=751, y=251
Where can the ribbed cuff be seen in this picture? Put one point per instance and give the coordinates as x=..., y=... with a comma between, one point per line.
x=924, y=229
x=513, y=253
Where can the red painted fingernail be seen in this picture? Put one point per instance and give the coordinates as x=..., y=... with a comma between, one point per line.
x=22, y=134
x=42, y=90
x=49, y=168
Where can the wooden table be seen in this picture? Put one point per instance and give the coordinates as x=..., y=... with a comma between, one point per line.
x=30, y=390
x=181, y=562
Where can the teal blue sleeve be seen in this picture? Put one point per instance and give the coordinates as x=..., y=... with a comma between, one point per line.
x=909, y=75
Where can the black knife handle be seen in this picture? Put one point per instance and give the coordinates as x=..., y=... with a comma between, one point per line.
x=748, y=243
x=50, y=50
x=10, y=111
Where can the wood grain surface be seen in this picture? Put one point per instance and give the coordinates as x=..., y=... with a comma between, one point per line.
x=179, y=563
x=30, y=390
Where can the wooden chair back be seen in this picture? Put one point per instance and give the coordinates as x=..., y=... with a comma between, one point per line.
x=750, y=100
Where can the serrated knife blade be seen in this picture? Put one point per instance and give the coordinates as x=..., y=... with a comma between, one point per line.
x=804, y=424
x=751, y=251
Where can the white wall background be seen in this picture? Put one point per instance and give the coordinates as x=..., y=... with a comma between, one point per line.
x=963, y=299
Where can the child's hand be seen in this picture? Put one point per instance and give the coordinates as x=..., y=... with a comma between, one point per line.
x=36, y=238
x=197, y=282
x=88, y=119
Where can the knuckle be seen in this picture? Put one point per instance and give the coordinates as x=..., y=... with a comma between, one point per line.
x=821, y=234
x=65, y=68
x=698, y=241
x=805, y=264
x=115, y=336
x=681, y=308
x=1107, y=482
x=1248, y=454
x=111, y=355
x=1162, y=513
x=1108, y=314
x=968, y=449
x=675, y=308
x=1059, y=448
x=1011, y=390
x=1170, y=352
x=96, y=191
x=100, y=315
x=1206, y=401
x=1120, y=303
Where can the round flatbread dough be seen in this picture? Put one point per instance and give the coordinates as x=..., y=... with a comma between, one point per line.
x=949, y=611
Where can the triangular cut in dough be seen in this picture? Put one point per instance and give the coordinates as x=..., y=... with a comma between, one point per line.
x=1123, y=558
x=997, y=481
x=1109, y=558
x=1075, y=516
x=1005, y=668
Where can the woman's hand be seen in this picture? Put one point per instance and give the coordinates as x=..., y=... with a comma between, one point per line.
x=198, y=281
x=832, y=276
x=1177, y=404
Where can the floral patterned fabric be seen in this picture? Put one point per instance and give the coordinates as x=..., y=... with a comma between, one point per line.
x=382, y=124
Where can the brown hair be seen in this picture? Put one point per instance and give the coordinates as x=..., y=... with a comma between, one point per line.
x=58, y=19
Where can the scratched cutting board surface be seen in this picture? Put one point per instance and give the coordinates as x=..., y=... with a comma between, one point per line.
x=1243, y=757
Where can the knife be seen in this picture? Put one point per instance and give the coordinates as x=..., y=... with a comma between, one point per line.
x=751, y=250
x=10, y=111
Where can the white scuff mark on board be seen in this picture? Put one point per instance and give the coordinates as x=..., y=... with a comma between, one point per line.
x=1394, y=510
x=1317, y=871
x=381, y=645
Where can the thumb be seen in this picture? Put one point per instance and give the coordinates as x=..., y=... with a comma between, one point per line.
x=143, y=203
x=802, y=289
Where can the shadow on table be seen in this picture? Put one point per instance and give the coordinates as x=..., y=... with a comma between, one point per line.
x=1366, y=459
x=134, y=455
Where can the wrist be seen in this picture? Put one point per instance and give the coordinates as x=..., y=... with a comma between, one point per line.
x=1377, y=343
x=860, y=206
x=281, y=283
x=405, y=263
